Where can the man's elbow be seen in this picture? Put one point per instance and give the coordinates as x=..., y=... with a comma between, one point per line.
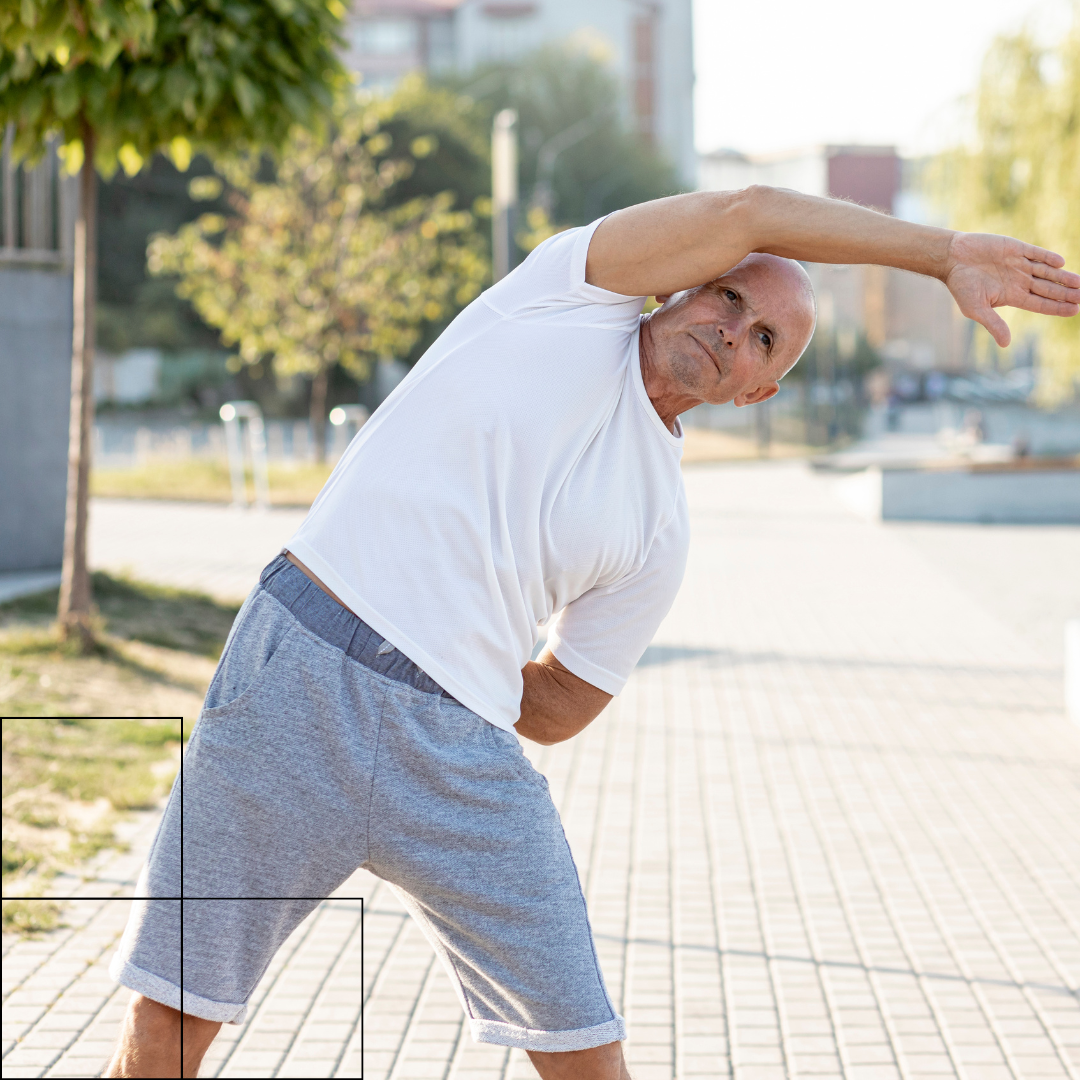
x=549, y=730
x=550, y=727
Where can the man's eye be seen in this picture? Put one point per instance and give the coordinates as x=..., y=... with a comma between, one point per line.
x=730, y=295
x=765, y=340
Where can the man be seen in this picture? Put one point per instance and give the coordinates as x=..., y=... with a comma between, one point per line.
x=366, y=708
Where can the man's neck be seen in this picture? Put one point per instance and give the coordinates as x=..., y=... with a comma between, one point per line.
x=668, y=405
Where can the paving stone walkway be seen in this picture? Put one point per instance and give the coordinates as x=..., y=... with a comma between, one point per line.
x=831, y=829
x=212, y=548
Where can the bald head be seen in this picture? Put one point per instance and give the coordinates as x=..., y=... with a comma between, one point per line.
x=789, y=288
x=731, y=339
x=792, y=273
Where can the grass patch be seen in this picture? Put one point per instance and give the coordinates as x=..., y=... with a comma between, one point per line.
x=67, y=780
x=28, y=916
x=106, y=750
x=203, y=480
x=126, y=609
x=85, y=759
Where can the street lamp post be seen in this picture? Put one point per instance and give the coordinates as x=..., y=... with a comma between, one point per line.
x=504, y=190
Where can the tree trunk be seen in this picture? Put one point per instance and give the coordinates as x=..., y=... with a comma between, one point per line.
x=74, y=612
x=318, y=412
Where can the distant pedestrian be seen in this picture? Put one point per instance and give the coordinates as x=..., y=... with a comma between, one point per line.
x=974, y=430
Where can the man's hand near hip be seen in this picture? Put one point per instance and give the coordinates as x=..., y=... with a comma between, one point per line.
x=555, y=703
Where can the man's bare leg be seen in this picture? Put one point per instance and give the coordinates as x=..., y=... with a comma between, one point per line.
x=599, y=1063
x=149, y=1043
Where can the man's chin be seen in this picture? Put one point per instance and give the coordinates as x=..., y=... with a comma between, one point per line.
x=696, y=377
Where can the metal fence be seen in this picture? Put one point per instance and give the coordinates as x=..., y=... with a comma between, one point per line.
x=119, y=445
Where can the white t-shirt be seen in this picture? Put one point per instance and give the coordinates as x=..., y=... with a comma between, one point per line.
x=519, y=470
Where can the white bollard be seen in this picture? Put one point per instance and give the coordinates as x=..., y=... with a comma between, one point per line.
x=347, y=420
x=1072, y=670
x=233, y=412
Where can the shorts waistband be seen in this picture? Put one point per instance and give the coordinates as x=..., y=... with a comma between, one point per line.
x=339, y=627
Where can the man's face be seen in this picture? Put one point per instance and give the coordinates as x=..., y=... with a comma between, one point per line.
x=733, y=339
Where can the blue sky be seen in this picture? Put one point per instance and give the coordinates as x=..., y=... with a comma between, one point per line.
x=777, y=74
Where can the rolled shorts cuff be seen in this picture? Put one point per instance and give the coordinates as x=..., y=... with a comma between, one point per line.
x=166, y=993
x=551, y=1042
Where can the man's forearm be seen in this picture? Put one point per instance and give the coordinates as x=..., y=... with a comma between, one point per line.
x=555, y=703
x=665, y=246
x=811, y=229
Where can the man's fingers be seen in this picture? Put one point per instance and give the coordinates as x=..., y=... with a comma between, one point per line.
x=1055, y=274
x=1053, y=291
x=998, y=327
x=1042, y=255
x=1041, y=305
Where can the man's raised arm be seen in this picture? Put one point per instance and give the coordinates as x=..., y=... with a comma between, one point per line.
x=662, y=247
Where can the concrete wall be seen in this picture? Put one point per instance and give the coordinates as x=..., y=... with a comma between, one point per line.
x=1035, y=497
x=35, y=387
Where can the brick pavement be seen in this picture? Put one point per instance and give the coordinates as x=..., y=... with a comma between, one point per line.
x=830, y=829
x=216, y=549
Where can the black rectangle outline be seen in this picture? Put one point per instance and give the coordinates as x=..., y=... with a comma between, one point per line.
x=181, y=898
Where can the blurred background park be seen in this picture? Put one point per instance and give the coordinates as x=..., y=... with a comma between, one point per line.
x=259, y=215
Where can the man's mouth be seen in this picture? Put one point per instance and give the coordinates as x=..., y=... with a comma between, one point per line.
x=714, y=359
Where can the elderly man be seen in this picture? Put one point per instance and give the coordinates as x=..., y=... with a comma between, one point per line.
x=367, y=706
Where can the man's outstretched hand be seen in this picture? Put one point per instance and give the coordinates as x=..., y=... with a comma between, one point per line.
x=987, y=271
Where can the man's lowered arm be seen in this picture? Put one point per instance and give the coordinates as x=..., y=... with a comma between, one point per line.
x=555, y=703
x=662, y=247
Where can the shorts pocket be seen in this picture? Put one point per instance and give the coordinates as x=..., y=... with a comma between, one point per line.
x=507, y=746
x=253, y=649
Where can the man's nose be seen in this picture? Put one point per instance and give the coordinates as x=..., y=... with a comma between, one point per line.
x=732, y=332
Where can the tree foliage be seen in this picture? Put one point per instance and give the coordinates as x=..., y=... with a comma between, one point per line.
x=552, y=89
x=1022, y=176
x=117, y=80
x=452, y=120
x=318, y=264
x=146, y=74
x=452, y=130
x=137, y=309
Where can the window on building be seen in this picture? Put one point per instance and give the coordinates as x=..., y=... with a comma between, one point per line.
x=30, y=208
x=440, y=44
x=385, y=37
x=510, y=29
x=644, y=28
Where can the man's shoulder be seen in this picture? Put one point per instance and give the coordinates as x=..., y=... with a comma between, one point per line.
x=552, y=278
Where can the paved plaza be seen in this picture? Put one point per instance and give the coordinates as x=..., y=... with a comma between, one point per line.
x=830, y=829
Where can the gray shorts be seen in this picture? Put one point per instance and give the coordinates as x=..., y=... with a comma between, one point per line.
x=321, y=749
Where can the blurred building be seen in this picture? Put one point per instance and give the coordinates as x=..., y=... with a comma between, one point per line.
x=910, y=320
x=133, y=378
x=649, y=43
x=37, y=220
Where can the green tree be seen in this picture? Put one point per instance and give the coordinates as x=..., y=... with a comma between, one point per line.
x=454, y=134
x=1022, y=175
x=133, y=308
x=319, y=265
x=551, y=90
x=136, y=308
x=119, y=79
x=566, y=90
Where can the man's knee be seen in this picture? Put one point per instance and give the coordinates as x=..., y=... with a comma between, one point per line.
x=146, y=1011
x=598, y=1063
x=150, y=1041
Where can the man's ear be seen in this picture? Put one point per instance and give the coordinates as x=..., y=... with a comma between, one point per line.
x=757, y=395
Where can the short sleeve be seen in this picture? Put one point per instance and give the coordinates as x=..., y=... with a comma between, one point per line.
x=553, y=276
x=602, y=634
